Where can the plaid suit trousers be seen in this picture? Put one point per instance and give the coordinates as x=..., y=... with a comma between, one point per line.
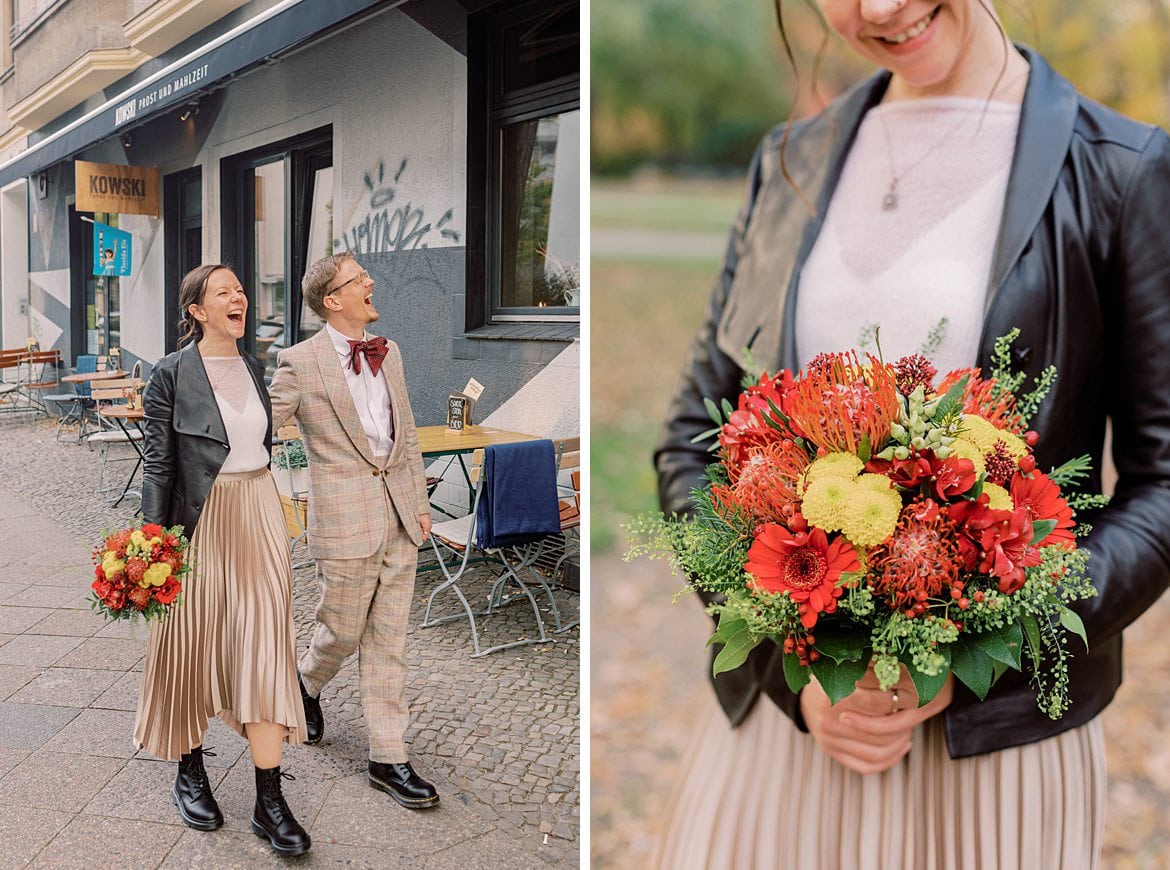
x=365, y=607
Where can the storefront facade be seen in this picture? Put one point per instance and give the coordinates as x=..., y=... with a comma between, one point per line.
x=439, y=141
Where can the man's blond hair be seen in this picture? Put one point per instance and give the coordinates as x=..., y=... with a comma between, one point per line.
x=318, y=277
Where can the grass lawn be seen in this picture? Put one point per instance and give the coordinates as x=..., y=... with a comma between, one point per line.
x=644, y=315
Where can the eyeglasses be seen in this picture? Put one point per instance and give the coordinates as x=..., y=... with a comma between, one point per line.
x=362, y=276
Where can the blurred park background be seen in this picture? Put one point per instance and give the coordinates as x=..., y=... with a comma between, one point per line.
x=681, y=92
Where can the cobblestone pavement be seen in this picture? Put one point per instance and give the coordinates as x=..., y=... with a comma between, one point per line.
x=641, y=719
x=498, y=735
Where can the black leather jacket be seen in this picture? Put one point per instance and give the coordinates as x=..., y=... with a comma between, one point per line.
x=186, y=442
x=1082, y=266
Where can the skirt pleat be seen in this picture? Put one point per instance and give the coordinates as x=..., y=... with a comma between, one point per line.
x=230, y=649
x=764, y=796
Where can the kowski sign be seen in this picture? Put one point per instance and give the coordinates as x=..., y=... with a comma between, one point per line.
x=109, y=187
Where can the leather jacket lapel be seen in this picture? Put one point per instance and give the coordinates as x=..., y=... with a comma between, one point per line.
x=760, y=313
x=1047, y=117
x=339, y=395
x=196, y=411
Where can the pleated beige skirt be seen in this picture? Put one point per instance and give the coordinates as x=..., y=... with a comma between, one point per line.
x=764, y=796
x=230, y=649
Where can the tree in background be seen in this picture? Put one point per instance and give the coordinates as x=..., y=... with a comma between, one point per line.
x=687, y=84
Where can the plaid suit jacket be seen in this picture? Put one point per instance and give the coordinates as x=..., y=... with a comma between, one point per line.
x=350, y=490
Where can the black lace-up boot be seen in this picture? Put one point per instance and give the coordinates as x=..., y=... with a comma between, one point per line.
x=273, y=819
x=192, y=793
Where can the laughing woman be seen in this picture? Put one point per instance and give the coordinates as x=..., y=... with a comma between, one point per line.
x=230, y=649
x=968, y=181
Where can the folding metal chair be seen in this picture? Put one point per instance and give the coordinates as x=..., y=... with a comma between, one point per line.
x=42, y=372
x=79, y=400
x=454, y=543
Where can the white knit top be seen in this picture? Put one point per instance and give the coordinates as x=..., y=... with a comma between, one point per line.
x=929, y=258
x=242, y=412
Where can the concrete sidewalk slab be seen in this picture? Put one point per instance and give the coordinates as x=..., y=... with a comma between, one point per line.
x=499, y=735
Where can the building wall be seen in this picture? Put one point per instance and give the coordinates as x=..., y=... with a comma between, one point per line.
x=395, y=97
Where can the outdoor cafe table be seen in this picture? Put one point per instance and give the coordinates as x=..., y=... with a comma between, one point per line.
x=120, y=413
x=438, y=441
x=87, y=378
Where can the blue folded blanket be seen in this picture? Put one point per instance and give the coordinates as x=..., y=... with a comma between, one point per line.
x=519, y=499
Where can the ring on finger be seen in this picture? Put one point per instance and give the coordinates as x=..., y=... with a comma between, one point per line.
x=894, y=708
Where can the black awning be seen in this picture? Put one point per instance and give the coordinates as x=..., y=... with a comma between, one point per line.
x=183, y=80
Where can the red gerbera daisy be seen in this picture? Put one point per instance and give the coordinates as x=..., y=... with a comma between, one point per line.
x=1042, y=499
x=806, y=566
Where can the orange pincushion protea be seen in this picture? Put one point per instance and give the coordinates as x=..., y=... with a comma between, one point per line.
x=918, y=561
x=805, y=565
x=839, y=402
x=978, y=398
x=767, y=481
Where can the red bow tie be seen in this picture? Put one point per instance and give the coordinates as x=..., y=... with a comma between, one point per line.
x=375, y=350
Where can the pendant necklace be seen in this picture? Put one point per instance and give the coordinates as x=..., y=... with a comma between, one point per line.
x=890, y=200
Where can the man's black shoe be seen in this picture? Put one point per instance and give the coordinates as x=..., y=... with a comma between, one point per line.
x=403, y=784
x=314, y=718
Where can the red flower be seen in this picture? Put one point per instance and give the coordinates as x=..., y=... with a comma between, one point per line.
x=998, y=543
x=1042, y=499
x=1007, y=550
x=101, y=588
x=908, y=473
x=805, y=566
x=152, y=530
x=953, y=477
x=166, y=593
x=118, y=541
x=116, y=599
x=747, y=426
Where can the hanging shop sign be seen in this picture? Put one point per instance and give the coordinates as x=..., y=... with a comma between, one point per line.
x=110, y=187
x=111, y=251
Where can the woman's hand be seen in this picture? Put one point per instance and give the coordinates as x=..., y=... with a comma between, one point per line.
x=869, y=731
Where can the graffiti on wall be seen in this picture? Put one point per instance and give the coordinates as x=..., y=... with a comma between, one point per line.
x=392, y=223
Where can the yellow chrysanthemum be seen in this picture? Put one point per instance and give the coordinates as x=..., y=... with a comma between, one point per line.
x=983, y=435
x=826, y=500
x=137, y=538
x=872, y=514
x=839, y=464
x=111, y=564
x=1000, y=499
x=156, y=574
x=965, y=449
x=875, y=483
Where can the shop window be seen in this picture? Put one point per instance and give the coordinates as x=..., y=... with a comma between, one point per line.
x=278, y=204
x=524, y=125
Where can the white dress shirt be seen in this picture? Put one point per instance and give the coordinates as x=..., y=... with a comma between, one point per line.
x=370, y=394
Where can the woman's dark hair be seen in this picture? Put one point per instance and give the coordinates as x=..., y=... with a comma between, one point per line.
x=191, y=290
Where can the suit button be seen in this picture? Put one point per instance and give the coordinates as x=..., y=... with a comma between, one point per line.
x=375, y=472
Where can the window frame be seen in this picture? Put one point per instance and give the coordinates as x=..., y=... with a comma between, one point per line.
x=490, y=110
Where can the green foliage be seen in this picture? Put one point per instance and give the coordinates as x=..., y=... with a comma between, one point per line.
x=934, y=338
x=1069, y=473
x=290, y=455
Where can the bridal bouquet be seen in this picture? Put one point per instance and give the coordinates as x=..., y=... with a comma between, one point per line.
x=137, y=571
x=863, y=512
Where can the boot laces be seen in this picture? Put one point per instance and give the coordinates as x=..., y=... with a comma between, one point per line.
x=274, y=793
x=197, y=773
